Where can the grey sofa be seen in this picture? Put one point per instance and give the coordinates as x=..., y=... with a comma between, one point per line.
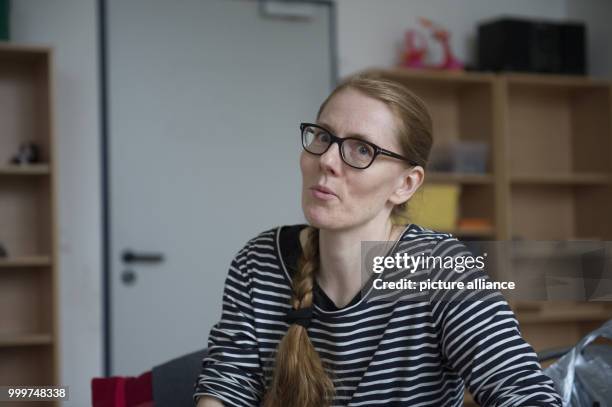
x=173, y=382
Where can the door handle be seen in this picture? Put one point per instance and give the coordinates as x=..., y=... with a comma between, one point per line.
x=130, y=257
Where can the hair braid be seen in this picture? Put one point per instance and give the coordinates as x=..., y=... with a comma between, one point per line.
x=299, y=378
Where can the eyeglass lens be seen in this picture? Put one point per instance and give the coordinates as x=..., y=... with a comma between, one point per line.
x=354, y=152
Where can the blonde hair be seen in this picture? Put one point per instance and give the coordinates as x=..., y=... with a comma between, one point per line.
x=299, y=378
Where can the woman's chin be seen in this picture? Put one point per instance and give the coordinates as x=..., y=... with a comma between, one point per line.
x=318, y=218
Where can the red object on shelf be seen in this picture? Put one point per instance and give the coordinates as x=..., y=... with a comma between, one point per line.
x=441, y=35
x=118, y=391
x=416, y=48
x=474, y=224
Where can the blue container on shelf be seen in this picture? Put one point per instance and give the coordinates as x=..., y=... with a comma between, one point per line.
x=460, y=156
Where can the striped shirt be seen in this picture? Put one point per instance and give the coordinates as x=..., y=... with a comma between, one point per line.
x=393, y=352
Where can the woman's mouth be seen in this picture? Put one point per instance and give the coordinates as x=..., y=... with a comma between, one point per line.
x=323, y=193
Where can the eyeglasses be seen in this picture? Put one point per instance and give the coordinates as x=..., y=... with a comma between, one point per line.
x=355, y=152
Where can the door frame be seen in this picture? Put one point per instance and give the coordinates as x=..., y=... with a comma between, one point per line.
x=105, y=156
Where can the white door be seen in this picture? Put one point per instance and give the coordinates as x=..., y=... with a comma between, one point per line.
x=205, y=99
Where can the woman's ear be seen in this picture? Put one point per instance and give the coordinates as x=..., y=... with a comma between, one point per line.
x=410, y=180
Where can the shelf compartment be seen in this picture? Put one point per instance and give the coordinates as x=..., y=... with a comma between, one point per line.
x=562, y=129
x=473, y=201
x=24, y=97
x=477, y=201
x=543, y=335
x=25, y=227
x=560, y=212
x=560, y=324
x=26, y=303
x=27, y=366
x=557, y=324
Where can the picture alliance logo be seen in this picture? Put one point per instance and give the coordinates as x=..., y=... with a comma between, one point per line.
x=429, y=285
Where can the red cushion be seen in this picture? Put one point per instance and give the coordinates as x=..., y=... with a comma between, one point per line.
x=118, y=391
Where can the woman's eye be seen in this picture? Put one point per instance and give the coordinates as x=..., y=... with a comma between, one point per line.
x=364, y=150
x=324, y=137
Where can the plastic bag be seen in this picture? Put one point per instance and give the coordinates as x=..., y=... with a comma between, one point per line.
x=583, y=376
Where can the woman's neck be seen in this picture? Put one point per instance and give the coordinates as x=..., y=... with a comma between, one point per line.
x=340, y=273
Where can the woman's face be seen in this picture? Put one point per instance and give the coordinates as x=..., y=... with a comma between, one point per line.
x=359, y=196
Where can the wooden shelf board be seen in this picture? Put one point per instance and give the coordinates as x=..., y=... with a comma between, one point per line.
x=474, y=233
x=470, y=233
x=513, y=78
x=566, y=317
x=34, y=169
x=554, y=80
x=25, y=340
x=563, y=179
x=6, y=46
x=399, y=73
x=30, y=261
x=459, y=178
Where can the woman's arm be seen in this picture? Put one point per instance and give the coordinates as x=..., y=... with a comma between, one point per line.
x=231, y=371
x=481, y=341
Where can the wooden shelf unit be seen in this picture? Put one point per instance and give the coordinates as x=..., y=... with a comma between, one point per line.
x=28, y=224
x=549, y=175
x=549, y=170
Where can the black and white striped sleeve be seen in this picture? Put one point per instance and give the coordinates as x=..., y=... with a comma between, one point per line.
x=481, y=340
x=231, y=371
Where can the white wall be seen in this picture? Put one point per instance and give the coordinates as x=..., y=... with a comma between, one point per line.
x=370, y=32
x=70, y=26
x=597, y=14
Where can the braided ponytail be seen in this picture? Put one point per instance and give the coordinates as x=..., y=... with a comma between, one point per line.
x=300, y=380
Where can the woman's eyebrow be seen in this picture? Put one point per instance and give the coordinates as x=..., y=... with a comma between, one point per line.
x=353, y=135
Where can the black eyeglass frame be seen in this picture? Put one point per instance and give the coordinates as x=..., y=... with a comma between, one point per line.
x=335, y=139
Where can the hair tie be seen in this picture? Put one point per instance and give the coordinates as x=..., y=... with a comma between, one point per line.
x=300, y=316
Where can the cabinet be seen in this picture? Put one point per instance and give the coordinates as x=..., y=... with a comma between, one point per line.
x=28, y=274
x=549, y=170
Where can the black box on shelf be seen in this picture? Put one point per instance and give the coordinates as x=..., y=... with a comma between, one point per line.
x=520, y=45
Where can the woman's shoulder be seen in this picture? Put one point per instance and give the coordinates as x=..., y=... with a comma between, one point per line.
x=275, y=234
x=414, y=233
x=257, y=268
x=429, y=241
x=272, y=241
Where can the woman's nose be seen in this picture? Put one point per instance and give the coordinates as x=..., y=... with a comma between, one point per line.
x=331, y=159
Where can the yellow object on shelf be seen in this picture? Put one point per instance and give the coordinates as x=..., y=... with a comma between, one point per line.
x=434, y=206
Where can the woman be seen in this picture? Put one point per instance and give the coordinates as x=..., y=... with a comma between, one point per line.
x=297, y=328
